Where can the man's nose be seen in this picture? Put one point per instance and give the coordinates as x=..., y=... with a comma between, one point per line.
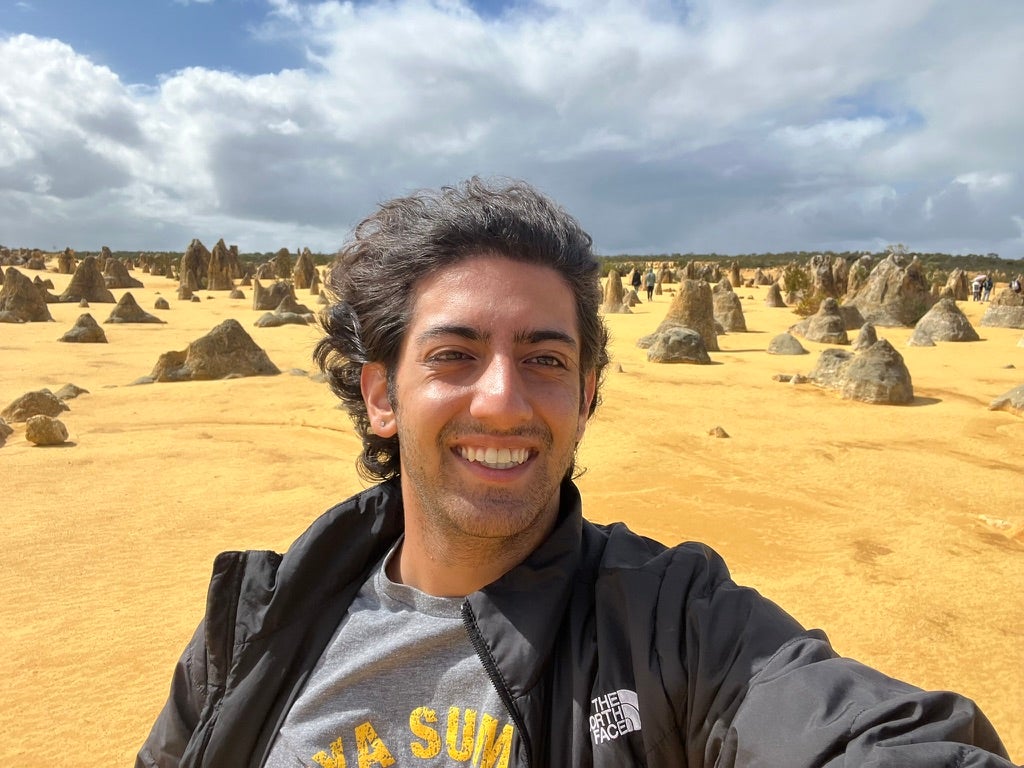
x=499, y=396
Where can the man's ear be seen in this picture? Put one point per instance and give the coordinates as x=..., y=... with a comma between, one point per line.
x=589, y=392
x=373, y=382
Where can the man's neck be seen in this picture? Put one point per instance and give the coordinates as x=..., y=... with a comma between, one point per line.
x=443, y=566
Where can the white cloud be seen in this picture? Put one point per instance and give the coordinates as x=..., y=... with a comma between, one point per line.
x=733, y=126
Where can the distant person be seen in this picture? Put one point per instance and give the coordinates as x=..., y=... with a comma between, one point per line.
x=976, y=288
x=1015, y=285
x=650, y=280
x=637, y=280
x=986, y=288
x=463, y=612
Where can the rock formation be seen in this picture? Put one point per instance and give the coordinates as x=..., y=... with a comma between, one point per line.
x=304, y=271
x=943, y=322
x=194, y=263
x=220, y=268
x=30, y=404
x=226, y=351
x=129, y=311
x=959, y=284
x=677, y=345
x=894, y=294
x=275, y=319
x=85, y=331
x=826, y=326
x=21, y=301
x=5, y=431
x=161, y=303
x=1012, y=401
x=866, y=337
x=115, y=275
x=270, y=298
x=728, y=309
x=1006, y=310
x=282, y=263
x=785, y=344
x=45, y=430
x=773, y=296
x=66, y=262
x=693, y=308
x=877, y=375
x=88, y=283
x=614, y=294
x=822, y=282
x=70, y=391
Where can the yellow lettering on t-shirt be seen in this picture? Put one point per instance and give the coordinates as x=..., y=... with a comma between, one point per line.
x=372, y=751
x=337, y=758
x=491, y=752
x=431, y=746
x=465, y=750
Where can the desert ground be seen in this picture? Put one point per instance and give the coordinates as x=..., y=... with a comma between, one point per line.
x=897, y=529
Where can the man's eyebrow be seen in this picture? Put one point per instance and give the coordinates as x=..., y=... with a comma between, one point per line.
x=469, y=333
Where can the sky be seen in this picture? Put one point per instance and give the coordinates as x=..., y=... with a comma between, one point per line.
x=664, y=126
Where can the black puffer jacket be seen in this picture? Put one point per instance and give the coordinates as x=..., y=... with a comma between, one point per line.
x=608, y=648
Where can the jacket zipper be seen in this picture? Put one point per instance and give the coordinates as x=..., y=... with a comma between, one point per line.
x=491, y=667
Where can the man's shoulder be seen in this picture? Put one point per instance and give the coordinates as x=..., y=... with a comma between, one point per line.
x=618, y=548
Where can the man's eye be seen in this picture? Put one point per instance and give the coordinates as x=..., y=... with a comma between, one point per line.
x=447, y=355
x=549, y=360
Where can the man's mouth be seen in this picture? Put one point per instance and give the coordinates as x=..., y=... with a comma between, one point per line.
x=495, y=458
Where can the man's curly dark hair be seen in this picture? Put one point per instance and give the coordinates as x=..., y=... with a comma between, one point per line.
x=373, y=279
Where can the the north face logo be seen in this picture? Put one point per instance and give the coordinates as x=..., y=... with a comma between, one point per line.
x=614, y=715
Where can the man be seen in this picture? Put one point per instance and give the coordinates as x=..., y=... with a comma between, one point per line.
x=462, y=611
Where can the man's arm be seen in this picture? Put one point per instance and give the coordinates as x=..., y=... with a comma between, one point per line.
x=178, y=719
x=808, y=707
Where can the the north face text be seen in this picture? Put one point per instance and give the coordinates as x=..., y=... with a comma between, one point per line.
x=613, y=715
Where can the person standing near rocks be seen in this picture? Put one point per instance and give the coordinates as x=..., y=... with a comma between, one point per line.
x=463, y=611
x=650, y=280
x=637, y=280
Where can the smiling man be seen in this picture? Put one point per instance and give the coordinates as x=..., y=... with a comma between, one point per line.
x=462, y=612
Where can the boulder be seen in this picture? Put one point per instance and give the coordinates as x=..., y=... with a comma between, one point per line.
x=1012, y=401
x=773, y=296
x=785, y=344
x=236, y=294
x=826, y=326
x=226, y=351
x=45, y=430
x=894, y=294
x=115, y=275
x=5, y=431
x=41, y=402
x=1006, y=310
x=88, y=283
x=877, y=375
x=129, y=311
x=85, y=331
x=70, y=392
x=161, y=303
x=275, y=319
x=943, y=322
x=271, y=298
x=693, y=307
x=21, y=300
x=184, y=293
x=728, y=311
x=678, y=345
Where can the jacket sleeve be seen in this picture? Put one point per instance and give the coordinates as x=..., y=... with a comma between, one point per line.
x=179, y=717
x=808, y=707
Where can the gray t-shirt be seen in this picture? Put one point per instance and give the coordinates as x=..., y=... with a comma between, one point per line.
x=399, y=684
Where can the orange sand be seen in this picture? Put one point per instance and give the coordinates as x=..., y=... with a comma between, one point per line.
x=899, y=530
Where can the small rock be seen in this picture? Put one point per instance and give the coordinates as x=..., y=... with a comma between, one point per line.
x=718, y=432
x=45, y=430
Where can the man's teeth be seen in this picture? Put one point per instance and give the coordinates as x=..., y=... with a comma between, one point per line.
x=496, y=458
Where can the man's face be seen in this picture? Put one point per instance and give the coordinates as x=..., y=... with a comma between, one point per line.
x=489, y=408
